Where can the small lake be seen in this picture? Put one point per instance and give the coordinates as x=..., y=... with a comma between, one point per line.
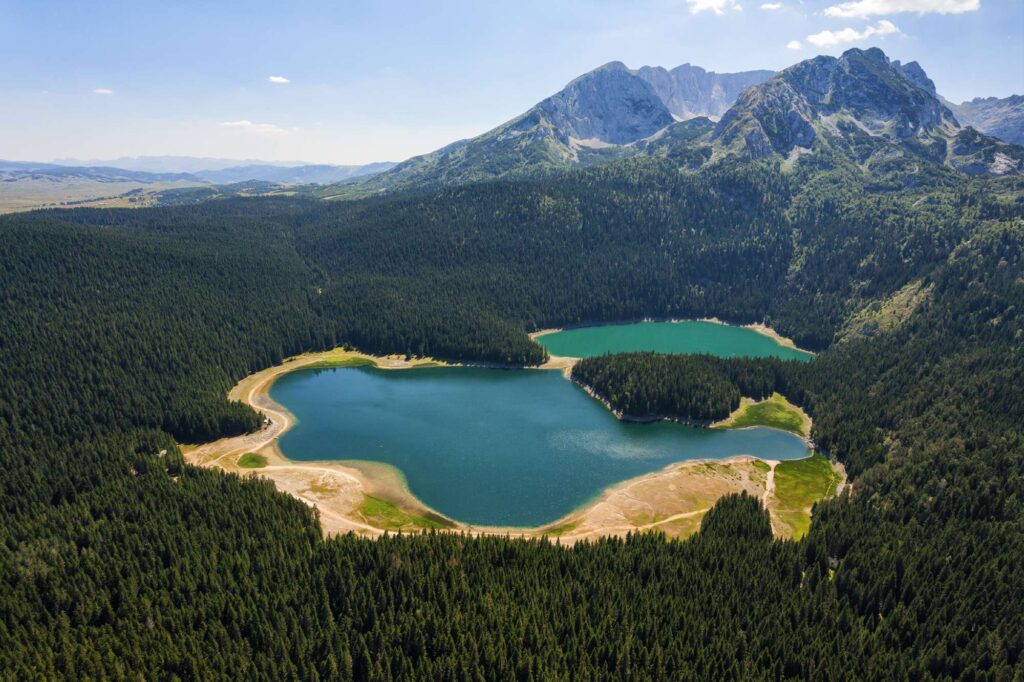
x=691, y=336
x=493, y=447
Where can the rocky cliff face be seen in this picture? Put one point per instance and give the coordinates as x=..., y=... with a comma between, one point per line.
x=860, y=107
x=689, y=91
x=861, y=91
x=607, y=113
x=872, y=111
x=609, y=104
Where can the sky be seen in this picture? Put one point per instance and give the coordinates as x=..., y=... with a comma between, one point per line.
x=352, y=81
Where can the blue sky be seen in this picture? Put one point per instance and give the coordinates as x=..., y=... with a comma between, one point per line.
x=386, y=80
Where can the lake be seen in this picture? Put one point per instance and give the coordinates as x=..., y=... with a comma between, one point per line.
x=493, y=447
x=691, y=336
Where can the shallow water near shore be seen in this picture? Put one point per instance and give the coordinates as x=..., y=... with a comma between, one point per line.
x=493, y=447
x=689, y=336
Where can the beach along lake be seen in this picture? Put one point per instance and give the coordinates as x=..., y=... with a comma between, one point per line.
x=691, y=336
x=493, y=447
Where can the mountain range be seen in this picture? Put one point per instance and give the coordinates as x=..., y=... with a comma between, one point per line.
x=859, y=107
x=604, y=114
x=221, y=171
x=873, y=111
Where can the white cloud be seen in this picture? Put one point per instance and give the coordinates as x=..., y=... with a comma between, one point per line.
x=794, y=45
x=716, y=6
x=280, y=80
x=771, y=6
x=867, y=8
x=850, y=35
x=255, y=128
x=103, y=91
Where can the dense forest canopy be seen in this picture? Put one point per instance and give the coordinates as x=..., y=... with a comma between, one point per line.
x=122, y=331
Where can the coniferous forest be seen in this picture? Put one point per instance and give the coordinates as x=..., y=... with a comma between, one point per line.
x=121, y=332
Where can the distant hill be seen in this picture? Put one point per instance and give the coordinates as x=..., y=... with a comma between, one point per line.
x=1002, y=118
x=31, y=185
x=292, y=175
x=173, y=164
x=18, y=169
x=27, y=185
x=233, y=170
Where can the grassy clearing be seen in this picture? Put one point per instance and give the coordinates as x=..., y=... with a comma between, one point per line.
x=329, y=363
x=383, y=514
x=563, y=528
x=776, y=412
x=681, y=528
x=763, y=467
x=888, y=314
x=798, y=485
x=251, y=460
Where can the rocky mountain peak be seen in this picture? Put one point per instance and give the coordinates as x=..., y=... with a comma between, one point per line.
x=609, y=105
x=861, y=93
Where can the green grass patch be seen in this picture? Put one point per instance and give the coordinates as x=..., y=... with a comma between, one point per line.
x=763, y=467
x=383, y=514
x=801, y=483
x=329, y=363
x=251, y=460
x=776, y=412
x=562, y=529
x=799, y=521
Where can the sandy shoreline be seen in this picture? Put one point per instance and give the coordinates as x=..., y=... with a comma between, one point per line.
x=672, y=500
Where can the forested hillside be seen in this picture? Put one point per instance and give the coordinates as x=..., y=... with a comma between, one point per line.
x=687, y=387
x=123, y=330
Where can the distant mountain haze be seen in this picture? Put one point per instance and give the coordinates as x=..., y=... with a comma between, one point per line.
x=234, y=170
x=29, y=185
x=173, y=164
x=1002, y=118
x=291, y=175
x=689, y=91
x=14, y=169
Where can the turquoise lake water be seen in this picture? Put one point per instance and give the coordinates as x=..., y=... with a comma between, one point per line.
x=493, y=447
x=691, y=336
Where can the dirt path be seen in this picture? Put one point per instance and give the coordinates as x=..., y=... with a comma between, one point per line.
x=769, y=483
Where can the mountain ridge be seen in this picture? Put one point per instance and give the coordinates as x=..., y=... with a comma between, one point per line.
x=606, y=113
x=859, y=107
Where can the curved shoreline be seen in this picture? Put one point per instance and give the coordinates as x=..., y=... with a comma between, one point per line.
x=337, y=489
